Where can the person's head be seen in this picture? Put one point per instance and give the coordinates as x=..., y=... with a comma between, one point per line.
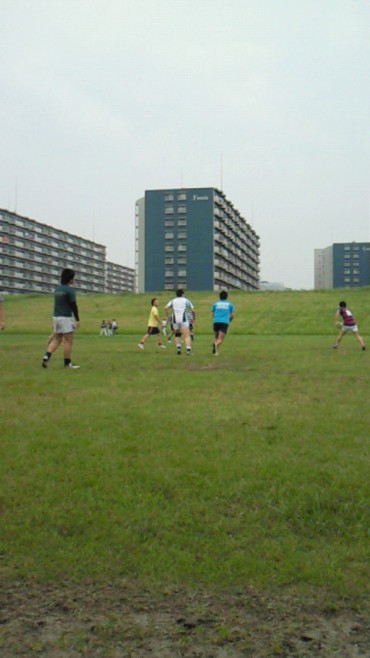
x=179, y=292
x=154, y=301
x=67, y=276
x=223, y=294
x=342, y=304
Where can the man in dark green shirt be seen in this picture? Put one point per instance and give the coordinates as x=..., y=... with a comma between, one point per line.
x=65, y=319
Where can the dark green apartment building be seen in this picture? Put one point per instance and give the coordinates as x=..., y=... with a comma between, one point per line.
x=194, y=238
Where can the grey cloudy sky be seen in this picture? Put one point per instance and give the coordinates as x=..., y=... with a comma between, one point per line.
x=102, y=99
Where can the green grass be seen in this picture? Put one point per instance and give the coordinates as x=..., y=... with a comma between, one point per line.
x=249, y=468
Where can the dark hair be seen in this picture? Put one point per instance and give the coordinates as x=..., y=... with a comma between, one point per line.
x=342, y=304
x=179, y=292
x=223, y=294
x=153, y=300
x=67, y=275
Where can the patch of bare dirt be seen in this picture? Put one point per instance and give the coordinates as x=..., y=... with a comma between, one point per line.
x=122, y=620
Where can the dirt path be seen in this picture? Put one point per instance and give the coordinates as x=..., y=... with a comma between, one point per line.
x=121, y=621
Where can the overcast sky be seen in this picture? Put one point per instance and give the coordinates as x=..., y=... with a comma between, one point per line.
x=270, y=99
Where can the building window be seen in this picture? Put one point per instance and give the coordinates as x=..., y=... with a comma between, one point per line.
x=181, y=196
x=181, y=260
x=168, y=235
x=181, y=247
x=181, y=209
x=169, y=223
x=181, y=235
x=181, y=273
x=168, y=260
x=168, y=197
x=168, y=247
x=181, y=221
x=169, y=210
x=168, y=273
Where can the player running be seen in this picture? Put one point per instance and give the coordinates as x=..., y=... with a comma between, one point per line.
x=154, y=326
x=223, y=313
x=177, y=311
x=347, y=323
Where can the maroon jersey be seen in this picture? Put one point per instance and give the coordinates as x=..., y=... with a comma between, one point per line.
x=348, y=319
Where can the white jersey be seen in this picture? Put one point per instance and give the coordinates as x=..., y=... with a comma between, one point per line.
x=180, y=309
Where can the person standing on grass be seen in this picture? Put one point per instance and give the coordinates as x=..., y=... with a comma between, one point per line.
x=154, y=326
x=347, y=323
x=222, y=313
x=177, y=311
x=65, y=319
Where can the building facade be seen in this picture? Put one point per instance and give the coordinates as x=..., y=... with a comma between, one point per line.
x=343, y=265
x=193, y=239
x=32, y=256
x=119, y=278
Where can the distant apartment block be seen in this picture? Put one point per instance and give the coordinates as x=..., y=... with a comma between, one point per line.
x=194, y=239
x=32, y=256
x=119, y=278
x=343, y=265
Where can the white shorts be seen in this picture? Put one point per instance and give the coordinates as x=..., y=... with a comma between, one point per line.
x=63, y=325
x=179, y=326
x=352, y=327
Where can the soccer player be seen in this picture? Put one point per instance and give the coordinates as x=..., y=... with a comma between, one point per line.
x=222, y=313
x=347, y=323
x=154, y=325
x=65, y=319
x=177, y=311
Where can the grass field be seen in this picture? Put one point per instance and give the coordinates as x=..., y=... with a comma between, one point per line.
x=247, y=469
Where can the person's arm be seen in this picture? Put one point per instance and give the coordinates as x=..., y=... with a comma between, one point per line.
x=338, y=320
x=75, y=312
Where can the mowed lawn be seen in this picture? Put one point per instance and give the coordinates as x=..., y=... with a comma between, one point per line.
x=247, y=468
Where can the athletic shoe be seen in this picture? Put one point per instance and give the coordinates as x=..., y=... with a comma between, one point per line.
x=168, y=340
x=140, y=345
x=363, y=348
x=335, y=347
x=213, y=348
x=215, y=353
x=163, y=347
x=44, y=361
x=72, y=365
x=178, y=352
x=189, y=353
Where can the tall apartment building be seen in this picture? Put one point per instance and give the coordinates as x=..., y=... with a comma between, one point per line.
x=32, y=256
x=193, y=239
x=343, y=265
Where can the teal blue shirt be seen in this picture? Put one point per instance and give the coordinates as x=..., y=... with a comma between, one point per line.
x=64, y=296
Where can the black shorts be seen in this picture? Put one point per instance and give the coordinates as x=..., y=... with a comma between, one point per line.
x=152, y=331
x=220, y=326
